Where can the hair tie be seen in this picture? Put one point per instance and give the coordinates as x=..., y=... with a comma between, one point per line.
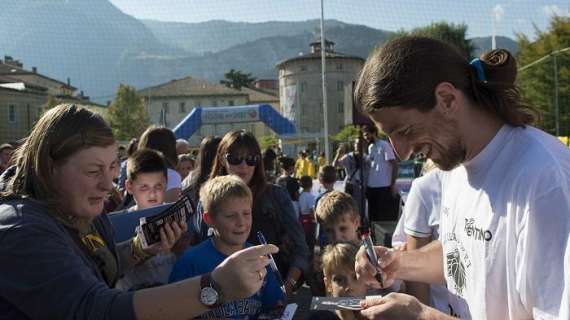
x=479, y=68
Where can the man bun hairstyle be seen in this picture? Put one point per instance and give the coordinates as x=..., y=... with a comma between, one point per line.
x=405, y=71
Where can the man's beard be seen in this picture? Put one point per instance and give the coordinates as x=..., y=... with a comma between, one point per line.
x=453, y=151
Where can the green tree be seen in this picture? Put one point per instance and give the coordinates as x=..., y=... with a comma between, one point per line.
x=127, y=114
x=268, y=141
x=452, y=33
x=237, y=79
x=347, y=134
x=537, y=81
x=51, y=102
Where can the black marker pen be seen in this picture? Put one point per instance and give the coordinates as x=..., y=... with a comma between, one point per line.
x=369, y=246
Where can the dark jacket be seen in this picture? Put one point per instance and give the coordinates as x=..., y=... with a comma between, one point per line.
x=44, y=274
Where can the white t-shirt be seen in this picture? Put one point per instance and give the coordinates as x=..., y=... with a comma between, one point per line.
x=565, y=307
x=380, y=174
x=505, y=221
x=306, y=203
x=421, y=219
x=173, y=179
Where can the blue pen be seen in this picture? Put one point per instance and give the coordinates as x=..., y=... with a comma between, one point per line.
x=272, y=264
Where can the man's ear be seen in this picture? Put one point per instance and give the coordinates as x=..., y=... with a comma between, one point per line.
x=446, y=97
x=207, y=218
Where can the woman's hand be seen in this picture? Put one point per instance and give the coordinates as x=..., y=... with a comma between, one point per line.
x=242, y=274
x=169, y=234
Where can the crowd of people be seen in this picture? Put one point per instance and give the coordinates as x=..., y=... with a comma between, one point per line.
x=471, y=242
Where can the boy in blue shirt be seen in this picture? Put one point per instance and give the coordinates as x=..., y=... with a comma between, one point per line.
x=227, y=203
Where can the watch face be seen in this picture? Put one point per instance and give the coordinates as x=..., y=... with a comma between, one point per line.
x=208, y=296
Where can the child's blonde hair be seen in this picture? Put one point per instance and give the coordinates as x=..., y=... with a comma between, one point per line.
x=338, y=256
x=333, y=205
x=219, y=189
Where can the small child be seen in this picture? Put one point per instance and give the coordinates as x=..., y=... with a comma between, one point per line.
x=185, y=165
x=306, y=210
x=336, y=213
x=327, y=178
x=289, y=182
x=340, y=277
x=227, y=203
x=146, y=182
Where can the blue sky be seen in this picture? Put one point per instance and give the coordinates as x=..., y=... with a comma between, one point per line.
x=512, y=16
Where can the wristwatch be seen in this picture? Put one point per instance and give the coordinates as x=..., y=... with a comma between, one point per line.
x=210, y=293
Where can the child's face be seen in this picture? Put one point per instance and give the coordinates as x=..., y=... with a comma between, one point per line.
x=184, y=168
x=345, y=228
x=148, y=189
x=232, y=222
x=342, y=283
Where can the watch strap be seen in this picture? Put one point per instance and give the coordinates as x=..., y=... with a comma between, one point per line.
x=206, y=280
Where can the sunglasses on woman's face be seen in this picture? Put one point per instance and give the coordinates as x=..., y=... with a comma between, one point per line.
x=250, y=159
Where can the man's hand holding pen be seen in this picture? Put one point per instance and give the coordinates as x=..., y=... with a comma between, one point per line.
x=388, y=264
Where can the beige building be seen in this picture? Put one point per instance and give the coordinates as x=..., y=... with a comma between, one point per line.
x=20, y=107
x=175, y=100
x=300, y=89
x=14, y=69
x=23, y=95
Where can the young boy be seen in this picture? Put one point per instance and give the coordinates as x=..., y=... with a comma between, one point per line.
x=327, y=178
x=306, y=210
x=227, y=202
x=146, y=182
x=336, y=214
x=340, y=277
x=146, y=178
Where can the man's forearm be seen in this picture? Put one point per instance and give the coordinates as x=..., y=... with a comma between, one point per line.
x=429, y=313
x=422, y=265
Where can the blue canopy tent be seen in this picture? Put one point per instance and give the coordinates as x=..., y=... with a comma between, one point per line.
x=248, y=113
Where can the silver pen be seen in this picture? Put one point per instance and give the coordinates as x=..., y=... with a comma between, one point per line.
x=272, y=263
x=369, y=246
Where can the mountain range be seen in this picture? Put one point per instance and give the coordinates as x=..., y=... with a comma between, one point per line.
x=97, y=46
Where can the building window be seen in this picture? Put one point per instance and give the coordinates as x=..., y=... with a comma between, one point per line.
x=231, y=103
x=12, y=113
x=165, y=107
x=182, y=107
x=214, y=103
x=303, y=86
x=303, y=68
x=339, y=86
x=339, y=66
x=340, y=107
